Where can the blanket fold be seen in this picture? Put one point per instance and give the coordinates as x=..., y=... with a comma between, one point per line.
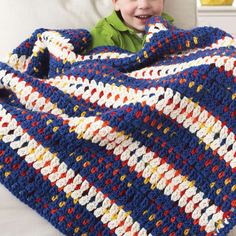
x=116, y=143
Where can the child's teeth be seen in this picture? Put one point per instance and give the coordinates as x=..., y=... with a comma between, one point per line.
x=143, y=17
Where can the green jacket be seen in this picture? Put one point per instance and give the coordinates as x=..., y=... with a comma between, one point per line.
x=111, y=31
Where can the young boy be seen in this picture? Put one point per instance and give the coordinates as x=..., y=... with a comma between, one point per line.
x=125, y=27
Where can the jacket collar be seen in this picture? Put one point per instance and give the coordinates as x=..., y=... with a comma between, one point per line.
x=117, y=23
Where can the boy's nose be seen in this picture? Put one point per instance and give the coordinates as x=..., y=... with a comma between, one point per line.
x=143, y=4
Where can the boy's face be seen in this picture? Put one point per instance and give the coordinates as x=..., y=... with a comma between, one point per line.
x=135, y=13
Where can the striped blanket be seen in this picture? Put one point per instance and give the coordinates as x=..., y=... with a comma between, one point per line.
x=120, y=143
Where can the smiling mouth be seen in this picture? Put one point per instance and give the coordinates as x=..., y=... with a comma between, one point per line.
x=143, y=17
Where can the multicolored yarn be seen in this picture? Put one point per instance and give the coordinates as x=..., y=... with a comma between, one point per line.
x=115, y=143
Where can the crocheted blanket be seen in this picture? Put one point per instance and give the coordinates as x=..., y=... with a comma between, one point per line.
x=120, y=143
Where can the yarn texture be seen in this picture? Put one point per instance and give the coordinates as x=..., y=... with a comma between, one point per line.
x=120, y=143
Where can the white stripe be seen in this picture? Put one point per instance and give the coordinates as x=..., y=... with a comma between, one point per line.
x=157, y=72
x=53, y=40
x=35, y=101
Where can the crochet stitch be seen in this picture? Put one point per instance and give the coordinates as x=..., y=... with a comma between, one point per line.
x=116, y=143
